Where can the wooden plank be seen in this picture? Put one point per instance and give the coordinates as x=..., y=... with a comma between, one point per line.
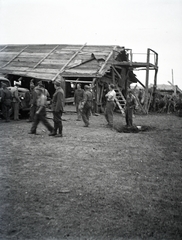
x=19, y=64
x=103, y=66
x=14, y=68
x=15, y=57
x=14, y=48
x=78, y=81
x=45, y=56
x=27, y=60
x=62, y=69
x=83, y=71
x=141, y=107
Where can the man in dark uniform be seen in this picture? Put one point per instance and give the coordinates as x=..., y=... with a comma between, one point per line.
x=87, y=105
x=6, y=99
x=129, y=107
x=32, y=102
x=78, y=97
x=57, y=108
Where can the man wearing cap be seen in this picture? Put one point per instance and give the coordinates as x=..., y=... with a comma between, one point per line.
x=78, y=97
x=86, y=105
x=16, y=101
x=57, y=108
x=40, y=115
x=41, y=85
x=6, y=99
x=129, y=107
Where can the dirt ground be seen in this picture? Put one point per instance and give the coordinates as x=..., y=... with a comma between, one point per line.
x=93, y=183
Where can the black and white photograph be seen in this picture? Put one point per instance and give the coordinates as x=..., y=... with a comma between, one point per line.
x=90, y=120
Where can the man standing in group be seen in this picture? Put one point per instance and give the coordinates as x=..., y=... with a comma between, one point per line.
x=110, y=105
x=16, y=101
x=86, y=105
x=40, y=116
x=78, y=97
x=129, y=107
x=6, y=99
x=57, y=108
x=32, y=102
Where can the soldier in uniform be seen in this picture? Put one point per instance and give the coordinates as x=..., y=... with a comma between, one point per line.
x=40, y=116
x=86, y=105
x=57, y=108
x=16, y=101
x=6, y=98
x=129, y=107
x=78, y=97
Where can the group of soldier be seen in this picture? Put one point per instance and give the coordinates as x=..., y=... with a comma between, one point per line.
x=84, y=105
x=38, y=104
x=83, y=100
x=10, y=100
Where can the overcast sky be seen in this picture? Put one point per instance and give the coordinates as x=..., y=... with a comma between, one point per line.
x=135, y=24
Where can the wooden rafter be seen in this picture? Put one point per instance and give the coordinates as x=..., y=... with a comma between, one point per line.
x=63, y=68
x=45, y=57
x=14, y=57
x=101, y=69
x=3, y=48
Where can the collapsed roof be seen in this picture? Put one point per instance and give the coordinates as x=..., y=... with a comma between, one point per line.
x=48, y=61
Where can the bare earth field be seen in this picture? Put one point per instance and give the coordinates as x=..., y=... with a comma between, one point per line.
x=93, y=183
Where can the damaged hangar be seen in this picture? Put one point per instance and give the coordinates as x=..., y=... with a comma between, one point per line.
x=97, y=65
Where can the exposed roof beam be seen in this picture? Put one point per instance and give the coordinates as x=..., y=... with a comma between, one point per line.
x=14, y=57
x=3, y=48
x=45, y=56
x=62, y=69
x=101, y=69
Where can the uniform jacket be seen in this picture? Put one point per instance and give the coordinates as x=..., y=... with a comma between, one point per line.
x=78, y=96
x=58, y=100
x=6, y=97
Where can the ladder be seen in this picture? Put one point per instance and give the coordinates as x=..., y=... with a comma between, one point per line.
x=120, y=100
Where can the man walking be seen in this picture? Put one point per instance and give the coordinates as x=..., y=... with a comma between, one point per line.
x=57, y=108
x=40, y=115
x=86, y=105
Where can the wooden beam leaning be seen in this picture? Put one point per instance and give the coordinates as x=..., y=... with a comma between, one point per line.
x=101, y=69
x=62, y=69
x=45, y=57
x=116, y=72
x=147, y=79
x=140, y=105
x=15, y=57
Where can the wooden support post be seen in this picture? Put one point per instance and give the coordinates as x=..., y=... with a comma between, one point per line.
x=97, y=97
x=147, y=80
x=116, y=72
x=113, y=76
